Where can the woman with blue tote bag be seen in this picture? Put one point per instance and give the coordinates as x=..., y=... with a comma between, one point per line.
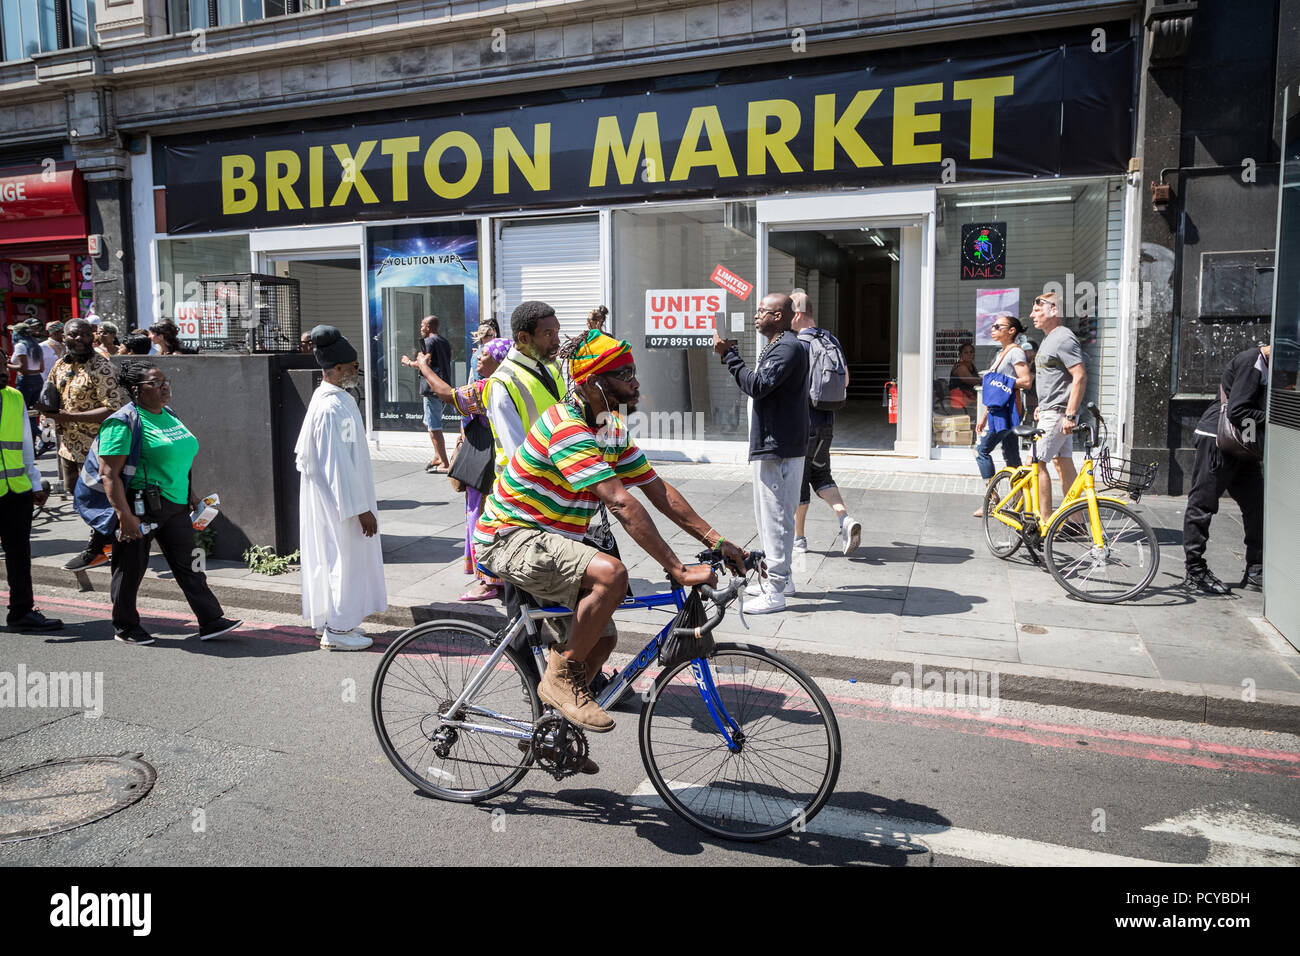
x=1008, y=374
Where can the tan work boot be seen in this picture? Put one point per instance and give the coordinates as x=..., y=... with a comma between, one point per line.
x=564, y=687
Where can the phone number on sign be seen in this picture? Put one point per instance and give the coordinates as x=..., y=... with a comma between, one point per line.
x=677, y=341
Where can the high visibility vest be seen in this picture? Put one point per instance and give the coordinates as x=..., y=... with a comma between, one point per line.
x=13, y=419
x=526, y=391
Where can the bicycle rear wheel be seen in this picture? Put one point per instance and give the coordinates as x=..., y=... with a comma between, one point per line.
x=1120, y=569
x=789, y=755
x=421, y=674
x=1002, y=539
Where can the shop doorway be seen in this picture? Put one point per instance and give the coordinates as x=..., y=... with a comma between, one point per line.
x=850, y=272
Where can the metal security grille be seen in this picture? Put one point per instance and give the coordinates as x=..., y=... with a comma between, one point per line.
x=556, y=260
x=247, y=312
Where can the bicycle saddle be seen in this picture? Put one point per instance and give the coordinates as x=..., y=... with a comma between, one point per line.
x=1028, y=431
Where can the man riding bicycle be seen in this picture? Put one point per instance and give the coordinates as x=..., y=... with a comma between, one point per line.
x=577, y=457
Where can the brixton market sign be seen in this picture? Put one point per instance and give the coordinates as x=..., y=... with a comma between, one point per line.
x=1063, y=111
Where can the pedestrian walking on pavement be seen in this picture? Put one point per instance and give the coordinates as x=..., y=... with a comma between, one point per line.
x=817, y=342
x=21, y=493
x=1061, y=381
x=152, y=500
x=28, y=362
x=88, y=392
x=342, y=553
x=468, y=402
x=997, y=421
x=778, y=439
x=438, y=350
x=1222, y=466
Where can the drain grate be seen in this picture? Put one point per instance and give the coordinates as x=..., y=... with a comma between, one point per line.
x=60, y=795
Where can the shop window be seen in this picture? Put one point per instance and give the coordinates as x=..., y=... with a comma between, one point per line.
x=998, y=248
x=182, y=261
x=686, y=394
x=39, y=26
x=416, y=271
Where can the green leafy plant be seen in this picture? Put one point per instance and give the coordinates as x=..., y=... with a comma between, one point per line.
x=261, y=559
x=206, y=539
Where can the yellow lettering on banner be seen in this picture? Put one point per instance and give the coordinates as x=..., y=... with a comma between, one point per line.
x=827, y=130
x=609, y=145
x=352, y=164
x=238, y=193
x=536, y=168
x=283, y=167
x=982, y=94
x=703, y=119
x=762, y=143
x=316, y=177
x=453, y=139
x=399, y=149
x=907, y=123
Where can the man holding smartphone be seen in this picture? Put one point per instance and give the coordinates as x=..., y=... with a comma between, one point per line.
x=778, y=438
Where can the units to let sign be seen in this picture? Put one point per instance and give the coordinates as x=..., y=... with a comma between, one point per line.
x=196, y=320
x=681, y=318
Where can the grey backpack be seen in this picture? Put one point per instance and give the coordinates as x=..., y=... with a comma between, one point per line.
x=827, y=371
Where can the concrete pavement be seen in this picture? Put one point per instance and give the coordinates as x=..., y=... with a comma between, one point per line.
x=922, y=590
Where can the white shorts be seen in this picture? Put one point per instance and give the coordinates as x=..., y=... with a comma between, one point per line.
x=1055, y=443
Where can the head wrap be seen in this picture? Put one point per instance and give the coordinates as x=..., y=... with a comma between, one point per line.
x=331, y=347
x=497, y=348
x=54, y=327
x=597, y=354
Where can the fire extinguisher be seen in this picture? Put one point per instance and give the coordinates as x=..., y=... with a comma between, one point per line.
x=891, y=399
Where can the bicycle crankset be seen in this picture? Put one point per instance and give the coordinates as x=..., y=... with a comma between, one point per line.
x=558, y=747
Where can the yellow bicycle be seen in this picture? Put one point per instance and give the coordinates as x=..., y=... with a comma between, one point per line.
x=1095, y=546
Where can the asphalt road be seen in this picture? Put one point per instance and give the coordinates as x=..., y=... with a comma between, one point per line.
x=266, y=755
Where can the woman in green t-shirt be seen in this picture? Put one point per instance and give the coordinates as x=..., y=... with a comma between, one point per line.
x=158, y=494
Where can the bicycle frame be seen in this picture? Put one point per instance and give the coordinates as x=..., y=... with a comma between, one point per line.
x=527, y=621
x=1084, y=487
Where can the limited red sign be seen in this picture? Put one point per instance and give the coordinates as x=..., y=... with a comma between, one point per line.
x=731, y=282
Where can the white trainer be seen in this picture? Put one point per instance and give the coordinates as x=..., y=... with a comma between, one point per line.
x=800, y=545
x=767, y=603
x=757, y=588
x=851, y=531
x=353, y=640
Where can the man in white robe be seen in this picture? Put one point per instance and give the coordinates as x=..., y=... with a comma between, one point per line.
x=342, y=557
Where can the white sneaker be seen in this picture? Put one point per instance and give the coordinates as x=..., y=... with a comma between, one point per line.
x=353, y=640
x=757, y=588
x=800, y=545
x=765, y=604
x=851, y=532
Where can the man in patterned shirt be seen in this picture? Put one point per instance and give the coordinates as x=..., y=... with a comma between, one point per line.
x=88, y=394
x=576, y=457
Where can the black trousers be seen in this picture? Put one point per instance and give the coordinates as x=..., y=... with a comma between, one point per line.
x=16, y=537
x=1213, y=473
x=29, y=385
x=175, y=536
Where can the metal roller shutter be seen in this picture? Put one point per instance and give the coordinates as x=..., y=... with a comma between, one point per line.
x=555, y=260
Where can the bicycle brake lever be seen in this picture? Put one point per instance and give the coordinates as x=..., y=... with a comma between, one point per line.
x=740, y=606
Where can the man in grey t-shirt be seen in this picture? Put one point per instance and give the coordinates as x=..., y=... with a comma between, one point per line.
x=1060, y=384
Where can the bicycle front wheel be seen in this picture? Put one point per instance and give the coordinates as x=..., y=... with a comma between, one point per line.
x=787, y=758
x=1002, y=539
x=1118, y=569
x=420, y=676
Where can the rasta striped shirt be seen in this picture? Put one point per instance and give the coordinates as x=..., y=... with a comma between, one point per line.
x=545, y=483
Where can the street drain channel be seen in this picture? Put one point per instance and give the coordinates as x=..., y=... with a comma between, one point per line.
x=60, y=795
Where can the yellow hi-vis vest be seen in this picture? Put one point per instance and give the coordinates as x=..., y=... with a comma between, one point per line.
x=526, y=391
x=13, y=419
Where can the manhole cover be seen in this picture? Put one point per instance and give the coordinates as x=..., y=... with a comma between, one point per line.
x=64, y=794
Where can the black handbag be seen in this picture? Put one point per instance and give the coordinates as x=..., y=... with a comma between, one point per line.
x=475, y=463
x=1229, y=437
x=676, y=647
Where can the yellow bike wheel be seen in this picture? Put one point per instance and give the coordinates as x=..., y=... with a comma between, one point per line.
x=1118, y=569
x=1002, y=539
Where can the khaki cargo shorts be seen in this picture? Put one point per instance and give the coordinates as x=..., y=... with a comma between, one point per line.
x=547, y=565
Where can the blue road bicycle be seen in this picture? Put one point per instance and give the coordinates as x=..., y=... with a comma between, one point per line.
x=741, y=743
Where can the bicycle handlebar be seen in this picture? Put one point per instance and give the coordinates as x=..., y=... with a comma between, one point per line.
x=720, y=597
